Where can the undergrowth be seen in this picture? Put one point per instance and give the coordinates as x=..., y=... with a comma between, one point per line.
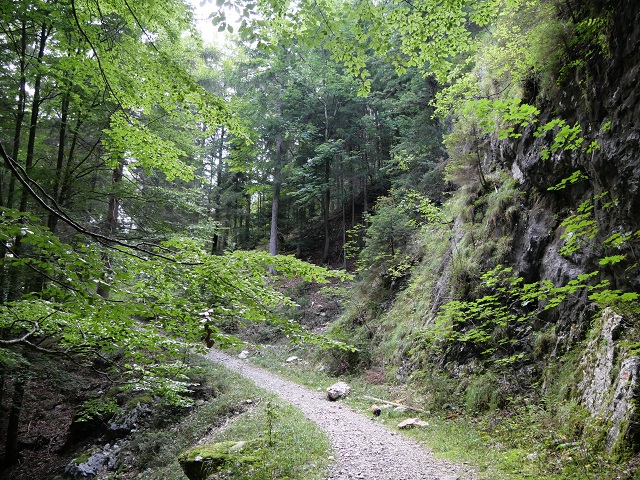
x=292, y=446
x=520, y=439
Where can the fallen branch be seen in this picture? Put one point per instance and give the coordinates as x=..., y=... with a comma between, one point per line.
x=396, y=404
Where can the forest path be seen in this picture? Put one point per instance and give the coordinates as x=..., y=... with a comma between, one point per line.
x=363, y=449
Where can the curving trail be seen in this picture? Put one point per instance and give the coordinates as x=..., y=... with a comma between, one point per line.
x=364, y=449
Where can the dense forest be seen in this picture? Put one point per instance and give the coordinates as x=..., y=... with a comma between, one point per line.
x=463, y=174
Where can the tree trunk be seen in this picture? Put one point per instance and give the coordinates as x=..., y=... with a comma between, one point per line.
x=326, y=192
x=277, y=171
x=52, y=221
x=15, y=280
x=275, y=208
x=326, y=202
x=365, y=182
x=15, y=151
x=13, y=426
x=247, y=220
x=35, y=111
x=22, y=99
x=111, y=225
x=217, y=212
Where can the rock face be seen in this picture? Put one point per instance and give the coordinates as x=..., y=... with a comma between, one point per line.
x=610, y=380
x=338, y=390
x=126, y=421
x=601, y=97
x=85, y=468
x=91, y=463
x=199, y=463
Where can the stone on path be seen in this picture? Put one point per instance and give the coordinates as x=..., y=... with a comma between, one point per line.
x=338, y=390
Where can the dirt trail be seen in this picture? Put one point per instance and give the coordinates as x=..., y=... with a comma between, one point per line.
x=363, y=449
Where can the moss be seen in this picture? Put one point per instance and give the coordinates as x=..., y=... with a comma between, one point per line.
x=143, y=399
x=83, y=457
x=202, y=461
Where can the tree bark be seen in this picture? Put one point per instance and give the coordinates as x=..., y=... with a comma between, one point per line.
x=217, y=242
x=247, y=220
x=52, y=221
x=14, y=277
x=277, y=173
x=35, y=111
x=22, y=100
x=15, y=151
x=111, y=225
x=275, y=208
x=13, y=427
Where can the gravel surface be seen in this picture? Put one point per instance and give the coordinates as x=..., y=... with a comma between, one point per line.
x=363, y=448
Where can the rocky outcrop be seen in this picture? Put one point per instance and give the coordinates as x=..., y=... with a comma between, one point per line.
x=123, y=423
x=609, y=386
x=599, y=94
x=91, y=463
x=199, y=463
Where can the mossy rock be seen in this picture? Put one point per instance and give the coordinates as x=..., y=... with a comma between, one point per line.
x=198, y=463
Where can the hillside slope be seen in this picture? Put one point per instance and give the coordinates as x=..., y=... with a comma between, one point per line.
x=528, y=294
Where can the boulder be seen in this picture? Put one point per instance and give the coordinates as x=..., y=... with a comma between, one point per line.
x=198, y=463
x=86, y=466
x=412, y=422
x=338, y=390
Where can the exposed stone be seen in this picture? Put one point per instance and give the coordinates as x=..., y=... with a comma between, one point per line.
x=86, y=466
x=412, y=422
x=338, y=390
x=610, y=378
x=198, y=463
x=243, y=354
x=126, y=421
x=622, y=406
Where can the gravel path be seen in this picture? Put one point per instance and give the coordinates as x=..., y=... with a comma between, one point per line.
x=364, y=449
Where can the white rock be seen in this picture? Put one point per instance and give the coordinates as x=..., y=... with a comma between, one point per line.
x=338, y=390
x=412, y=422
x=244, y=354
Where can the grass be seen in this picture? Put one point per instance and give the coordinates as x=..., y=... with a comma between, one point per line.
x=294, y=447
x=518, y=442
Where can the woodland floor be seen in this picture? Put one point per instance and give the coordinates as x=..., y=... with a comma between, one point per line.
x=363, y=449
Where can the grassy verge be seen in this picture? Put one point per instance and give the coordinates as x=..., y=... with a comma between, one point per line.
x=523, y=442
x=294, y=448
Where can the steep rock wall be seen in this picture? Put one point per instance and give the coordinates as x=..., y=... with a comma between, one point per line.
x=603, y=97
